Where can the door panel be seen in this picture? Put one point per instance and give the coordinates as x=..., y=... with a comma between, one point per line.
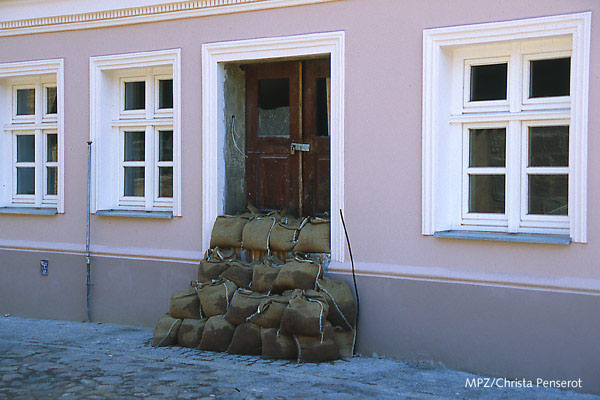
x=272, y=124
x=316, y=127
x=288, y=102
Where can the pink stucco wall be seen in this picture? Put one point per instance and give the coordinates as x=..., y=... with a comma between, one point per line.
x=383, y=129
x=382, y=186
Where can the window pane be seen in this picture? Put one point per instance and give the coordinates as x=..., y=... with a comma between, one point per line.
x=135, y=95
x=549, y=146
x=134, y=181
x=51, y=100
x=488, y=82
x=165, y=182
x=165, y=146
x=274, y=107
x=25, y=101
x=165, y=93
x=25, y=180
x=51, y=147
x=323, y=106
x=51, y=180
x=550, y=78
x=486, y=194
x=134, y=146
x=25, y=148
x=487, y=147
x=548, y=194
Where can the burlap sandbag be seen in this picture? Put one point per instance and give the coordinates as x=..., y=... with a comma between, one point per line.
x=216, y=296
x=246, y=340
x=190, y=332
x=278, y=346
x=306, y=314
x=217, y=334
x=256, y=233
x=342, y=309
x=227, y=231
x=214, y=263
x=165, y=331
x=317, y=349
x=314, y=237
x=270, y=311
x=263, y=277
x=243, y=304
x=185, y=304
x=239, y=273
x=345, y=341
x=296, y=275
x=285, y=234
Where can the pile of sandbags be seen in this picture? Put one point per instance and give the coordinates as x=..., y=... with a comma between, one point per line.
x=276, y=309
x=274, y=231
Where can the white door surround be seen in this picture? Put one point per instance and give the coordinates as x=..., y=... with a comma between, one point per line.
x=213, y=128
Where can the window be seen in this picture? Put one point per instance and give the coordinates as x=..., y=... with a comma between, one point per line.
x=505, y=127
x=135, y=132
x=31, y=172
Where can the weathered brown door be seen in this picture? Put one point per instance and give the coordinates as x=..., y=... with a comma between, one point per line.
x=287, y=136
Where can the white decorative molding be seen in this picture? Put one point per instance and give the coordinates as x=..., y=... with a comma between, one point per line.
x=135, y=15
x=330, y=43
x=469, y=277
x=437, y=46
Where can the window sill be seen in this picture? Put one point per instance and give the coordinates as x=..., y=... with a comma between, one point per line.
x=504, y=237
x=28, y=210
x=135, y=214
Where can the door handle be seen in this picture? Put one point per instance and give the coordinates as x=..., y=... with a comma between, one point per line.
x=299, y=147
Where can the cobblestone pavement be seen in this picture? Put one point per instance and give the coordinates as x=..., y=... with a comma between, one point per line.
x=42, y=359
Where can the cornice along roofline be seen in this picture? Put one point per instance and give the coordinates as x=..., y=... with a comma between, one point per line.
x=140, y=14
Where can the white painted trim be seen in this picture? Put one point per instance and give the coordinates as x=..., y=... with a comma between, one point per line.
x=437, y=42
x=115, y=14
x=279, y=47
x=101, y=64
x=480, y=278
x=36, y=68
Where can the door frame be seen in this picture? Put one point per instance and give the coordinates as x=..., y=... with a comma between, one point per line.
x=214, y=55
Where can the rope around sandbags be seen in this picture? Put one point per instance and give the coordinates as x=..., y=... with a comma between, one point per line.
x=336, y=305
x=168, y=333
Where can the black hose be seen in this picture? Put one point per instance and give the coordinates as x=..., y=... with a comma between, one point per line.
x=353, y=273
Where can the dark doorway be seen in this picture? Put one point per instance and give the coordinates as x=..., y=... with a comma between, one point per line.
x=287, y=136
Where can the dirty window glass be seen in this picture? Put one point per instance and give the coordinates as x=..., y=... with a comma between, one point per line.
x=550, y=78
x=489, y=82
x=274, y=107
x=135, y=95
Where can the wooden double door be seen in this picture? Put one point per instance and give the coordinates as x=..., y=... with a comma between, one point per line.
x=288, y=136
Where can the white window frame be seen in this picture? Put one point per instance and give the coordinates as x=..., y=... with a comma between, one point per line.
x=38, y=75
x=440, y=122
x=109, y=119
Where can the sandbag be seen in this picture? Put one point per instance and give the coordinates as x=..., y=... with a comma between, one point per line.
x=165, y=331
x=185, y=304
x=256, y=233
x=239, y=273
x=342, y=309
x=345, y=341
x=217, y=334
x=284, y=234
x=305, y=314
x=190, y=332
x=318, y=349
x=243, y=304
x=278, y=346
x=246, y=340
x=270, y=311
x=263, y=277
x=315, y=237
x=214, y=263
x=216, y=297
x=296, y=275
x=227, y=231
